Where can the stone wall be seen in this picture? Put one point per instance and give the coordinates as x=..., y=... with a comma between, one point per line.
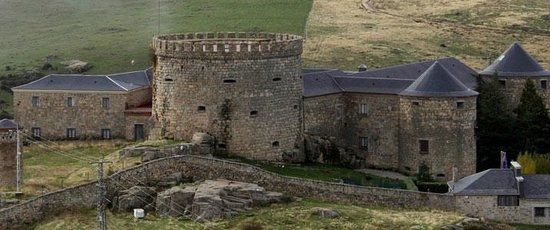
x=449, y=130
x=248, y=97
x=514, y=87
x=202, y=168
x=8, y=161
x=324, y=115
x=88, y=117
x=486, y=206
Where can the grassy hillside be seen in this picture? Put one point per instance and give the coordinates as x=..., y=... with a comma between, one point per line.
x=109, y=34
x=292, y=216
x=341, y=34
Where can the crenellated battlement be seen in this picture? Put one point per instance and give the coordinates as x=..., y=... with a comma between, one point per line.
x=7, y=137
x=228, y=45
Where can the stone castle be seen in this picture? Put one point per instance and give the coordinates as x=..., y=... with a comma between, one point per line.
x=249, y=92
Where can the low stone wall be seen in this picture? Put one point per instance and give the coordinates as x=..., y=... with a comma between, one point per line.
x=202, y=168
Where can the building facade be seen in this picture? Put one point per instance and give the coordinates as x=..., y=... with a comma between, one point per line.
x=8, y=154
x=243, y=88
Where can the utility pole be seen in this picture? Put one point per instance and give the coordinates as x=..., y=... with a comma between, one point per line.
x=18, y=173
x=101, y=204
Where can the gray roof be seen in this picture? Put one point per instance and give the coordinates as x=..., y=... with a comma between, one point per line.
x=437, y=81
x=515, y=61
x=489, y=182
x=536, y=186
x=391, y=80
x=7, y=124
x=115, y=82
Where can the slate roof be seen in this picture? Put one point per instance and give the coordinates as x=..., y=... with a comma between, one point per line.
x=116, y=82
x=515, y=61
x=536, y=186
x=437, y=81
x=489, y=182
x=391, y=80
x=7, y=124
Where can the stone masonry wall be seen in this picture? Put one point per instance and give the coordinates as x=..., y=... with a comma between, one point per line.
x=139, y=97
x=486, y=206
x=248, y=97
x=515, y=85
x=449, y=130
x=54, y=117
x=202, y=168
x=8, y=162
x=324, y=115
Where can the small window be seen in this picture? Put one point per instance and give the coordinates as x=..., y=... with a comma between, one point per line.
x=71, y=133
x=543, y=84
x=277, y=79
x=229, y=81
x=253, y=113
x=460, y=105
x=168, y=79
x=71, y=102
x=105, y=102
x=106, y=133
x=540, y=212
x=295, y=106
x=275, y=144
x=408, y=168
x=424, y=146
x=364, y=109
x=502, y=83
x=365, y=143
x=415, y=103
x=201, y=109
x=35, y=101
x=36, y=132
x=222, y=146
x=440, y=175
x=508, y=201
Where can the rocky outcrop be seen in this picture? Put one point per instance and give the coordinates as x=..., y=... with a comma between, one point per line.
x=135, y=197
x=325, y=213
x=76, y=66
x=325, y=150
x=213, y=199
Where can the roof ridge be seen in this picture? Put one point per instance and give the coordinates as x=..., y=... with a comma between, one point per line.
x=118, y=84
x=337, y=84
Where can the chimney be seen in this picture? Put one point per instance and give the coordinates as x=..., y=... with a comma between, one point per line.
x=516, y=168
x=362, y=68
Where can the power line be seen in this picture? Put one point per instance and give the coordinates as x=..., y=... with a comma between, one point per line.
x=102, y=193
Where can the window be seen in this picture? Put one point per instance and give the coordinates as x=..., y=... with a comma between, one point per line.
x=36, y=132
x=415, y=103
x=275, y=144
x=364, y=109
x=70, y=102
x=543, y=84
x=365, y=143
x=106, y=133
x=253, y=113
x=71, y=133
x=502, y=83
x=168, y=79
x=460, y=105
x=35, y=101
x=229, y=81
x=508, y=201
x=277, y=79
x=105, y=102
x=201, y=109
x=441, y=175
x=540, y=212
x=295, y=106
x=424, y=146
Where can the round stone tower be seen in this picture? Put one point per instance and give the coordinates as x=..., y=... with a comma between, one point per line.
x=437, y=121
x=245, y=89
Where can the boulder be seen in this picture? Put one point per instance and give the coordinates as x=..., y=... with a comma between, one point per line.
x=325, y=213
x=136, y=197
x=152, y=154
x=76, y=66
x=202, y=139
x=134, y=151
x=175, y=202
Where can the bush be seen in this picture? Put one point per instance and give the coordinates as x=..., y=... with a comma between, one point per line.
x=252, y=226
x=534, y=163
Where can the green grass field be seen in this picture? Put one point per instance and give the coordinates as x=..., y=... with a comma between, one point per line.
x=110, y=34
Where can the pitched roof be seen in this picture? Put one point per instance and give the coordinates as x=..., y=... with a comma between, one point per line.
x=536, y=186
x=391, y=80
x=437, y=81
x=116, y=82
x=489, y=182
x=515, y=61
x=7, y=124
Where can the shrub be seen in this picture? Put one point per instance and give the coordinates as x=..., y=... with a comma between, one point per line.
x=252, y=226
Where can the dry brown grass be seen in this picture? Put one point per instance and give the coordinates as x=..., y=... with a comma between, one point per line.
x=341, y=34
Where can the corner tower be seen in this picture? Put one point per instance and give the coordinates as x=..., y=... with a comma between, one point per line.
x=436, y=125
x=245, y=89
x=512, y=69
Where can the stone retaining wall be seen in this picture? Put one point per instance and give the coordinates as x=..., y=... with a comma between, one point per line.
x=202, y=168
